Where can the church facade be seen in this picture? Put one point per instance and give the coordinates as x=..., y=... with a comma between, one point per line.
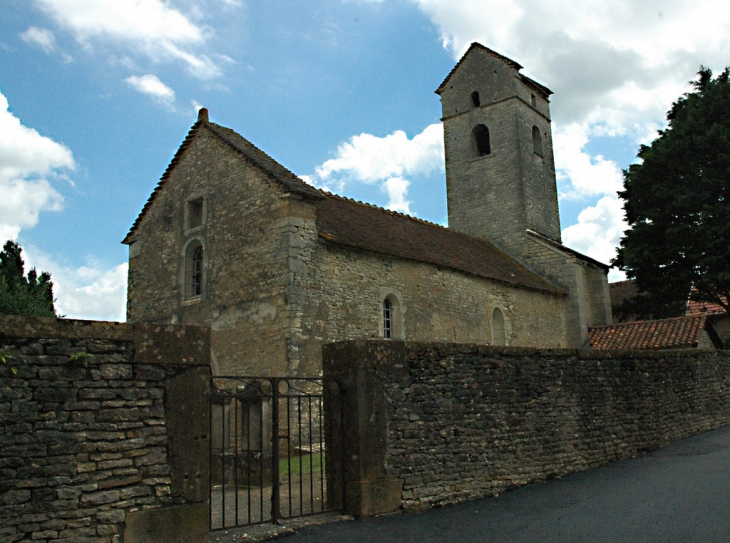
x=233, y=240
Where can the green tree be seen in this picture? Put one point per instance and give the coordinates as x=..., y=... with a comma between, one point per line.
x=30, y=295
x=677, y=204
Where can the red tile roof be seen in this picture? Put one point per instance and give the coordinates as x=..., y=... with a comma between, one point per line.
x=659, y=334
x=354, y=224
x=695, y=307
x=703, y=308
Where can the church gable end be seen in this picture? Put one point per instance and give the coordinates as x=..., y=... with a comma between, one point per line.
x=211, y=248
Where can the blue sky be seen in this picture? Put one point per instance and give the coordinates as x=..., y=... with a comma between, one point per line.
x=96, y=96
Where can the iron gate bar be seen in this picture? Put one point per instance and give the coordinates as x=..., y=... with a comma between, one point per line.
x=252, y=393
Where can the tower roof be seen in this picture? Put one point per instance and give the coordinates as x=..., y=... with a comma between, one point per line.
x=508, y=61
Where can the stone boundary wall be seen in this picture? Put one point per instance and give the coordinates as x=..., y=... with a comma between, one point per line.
x=432, y=423
x=104, y=431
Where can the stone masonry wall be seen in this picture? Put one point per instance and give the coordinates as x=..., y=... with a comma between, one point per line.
x=245, y=235
x=588, y=302
x=345, y=295
x=456, y=422
x=103, y=426
x=497, y=196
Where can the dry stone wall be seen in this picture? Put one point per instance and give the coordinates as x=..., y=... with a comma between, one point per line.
x=442, y=423
x=100, y=422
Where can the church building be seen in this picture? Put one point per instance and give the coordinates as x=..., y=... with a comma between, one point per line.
x=233, y=240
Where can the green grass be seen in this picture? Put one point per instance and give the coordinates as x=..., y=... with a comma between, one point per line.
x=297, y=469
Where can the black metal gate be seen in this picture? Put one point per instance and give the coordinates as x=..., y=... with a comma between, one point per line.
x=268, y=450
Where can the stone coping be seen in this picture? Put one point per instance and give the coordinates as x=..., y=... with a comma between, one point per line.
x=393, y=346
x=154, y=343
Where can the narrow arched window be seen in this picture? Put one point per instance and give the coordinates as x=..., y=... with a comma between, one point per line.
x=536, y=141
x=475, y=99
x=499, y=334
x=387, y=319
x=197, y=276
x=480, y=137
x=194, y=260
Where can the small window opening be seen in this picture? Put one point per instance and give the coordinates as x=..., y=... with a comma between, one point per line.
x=197, y=276
x=480, y=136
x=499, y=335
x=387, y=319
x=475, y=99
x=195, y=213
x=536, y=141
x=194, y=270
x=533, y=100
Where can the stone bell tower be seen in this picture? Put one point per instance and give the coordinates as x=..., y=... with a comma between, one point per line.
x=500, y=171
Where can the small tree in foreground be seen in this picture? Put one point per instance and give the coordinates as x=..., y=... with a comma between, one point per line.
x=31, y=295
x=677, y=204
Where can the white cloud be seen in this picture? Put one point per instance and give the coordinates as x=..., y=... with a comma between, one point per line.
x=147, y=26
x=42, y=37
x=151, y=85
x=598, y=231
x=614, y=66
x=370, y=159
x=586, y=175
x=95, y=291
x=397, y=187
x=26, y=160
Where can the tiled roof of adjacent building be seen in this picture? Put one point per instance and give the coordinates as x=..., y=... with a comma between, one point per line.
x=695, y=307
x=354, y=224
x=475, y=45
x=671, y=333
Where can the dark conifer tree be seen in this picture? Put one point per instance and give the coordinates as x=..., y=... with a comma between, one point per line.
x=20, y=295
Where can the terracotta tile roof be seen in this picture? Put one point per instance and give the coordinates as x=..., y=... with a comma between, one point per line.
x=703, y=308
x=238, y=143
x=695, y=307
x=541, y=88
x=659, y=334
x=354, y=224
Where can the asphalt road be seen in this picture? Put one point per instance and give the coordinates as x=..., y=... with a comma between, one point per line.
x=678, y=493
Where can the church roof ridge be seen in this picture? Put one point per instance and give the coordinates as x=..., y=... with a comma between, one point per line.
x=285, y=177
x=238, y=143
x=384, y=210
x=163, y=179
x=378, y=230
